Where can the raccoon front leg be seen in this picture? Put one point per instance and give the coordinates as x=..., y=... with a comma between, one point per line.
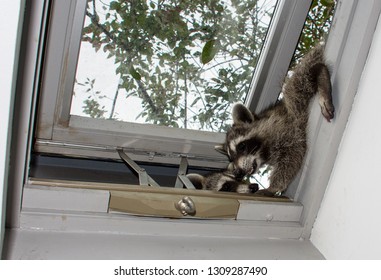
x=280, y=178
x=324, y=89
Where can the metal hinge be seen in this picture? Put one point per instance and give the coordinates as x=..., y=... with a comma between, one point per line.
x=146, y=180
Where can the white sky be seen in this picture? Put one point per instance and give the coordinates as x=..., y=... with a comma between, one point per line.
x=95, y=65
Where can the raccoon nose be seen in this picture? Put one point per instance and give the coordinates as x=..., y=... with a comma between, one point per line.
x=239, y=174
x=253, y=188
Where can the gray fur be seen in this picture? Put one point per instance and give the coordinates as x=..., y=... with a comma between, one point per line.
x=277, y=136
x=221, y=181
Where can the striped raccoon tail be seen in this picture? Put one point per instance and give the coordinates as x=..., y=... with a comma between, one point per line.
x=197, y=180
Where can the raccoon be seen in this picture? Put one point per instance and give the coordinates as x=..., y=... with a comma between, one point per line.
x=221, y=181
x=277, y=136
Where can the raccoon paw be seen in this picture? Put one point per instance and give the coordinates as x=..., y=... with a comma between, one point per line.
x=265, y=192
x=327, y=109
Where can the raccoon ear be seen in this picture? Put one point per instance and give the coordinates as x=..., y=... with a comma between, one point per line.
x=221, y=149
x=241, y=114
x=196, y=180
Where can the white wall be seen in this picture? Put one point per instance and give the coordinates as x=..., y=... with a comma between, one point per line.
x=9, y=25
x=348, y=225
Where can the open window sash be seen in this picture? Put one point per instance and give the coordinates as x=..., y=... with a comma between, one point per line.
x=60, y=132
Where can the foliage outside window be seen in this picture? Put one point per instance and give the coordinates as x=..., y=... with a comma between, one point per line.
x=178, y=63
x=316, y=27
x=186, y=62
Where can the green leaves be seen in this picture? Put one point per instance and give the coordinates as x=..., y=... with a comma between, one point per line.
x=327, y=2
x=135, y=74
x=209, y=51
x=187, y=61
x=316, y=27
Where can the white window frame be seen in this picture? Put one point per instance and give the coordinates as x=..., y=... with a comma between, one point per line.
x=346, y=50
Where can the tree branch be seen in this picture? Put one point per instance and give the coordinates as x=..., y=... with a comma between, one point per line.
x=94, y=20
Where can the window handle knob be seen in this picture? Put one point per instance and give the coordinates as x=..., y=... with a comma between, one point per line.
x=186, y=206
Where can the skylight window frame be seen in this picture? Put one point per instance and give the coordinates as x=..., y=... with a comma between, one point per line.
x=346, y=49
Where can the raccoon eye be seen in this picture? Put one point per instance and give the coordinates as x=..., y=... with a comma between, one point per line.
x=241, y=147
x=226, y=187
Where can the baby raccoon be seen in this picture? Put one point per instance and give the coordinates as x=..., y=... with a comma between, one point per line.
x=221, y=181
x=277, y=136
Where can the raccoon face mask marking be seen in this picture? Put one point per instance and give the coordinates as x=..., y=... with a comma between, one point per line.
x=221, y=181
x=246, y=155
x=244, y=148
x=234, y=186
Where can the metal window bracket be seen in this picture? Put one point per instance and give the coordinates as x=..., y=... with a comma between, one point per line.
x=146, y=180
x=182, y=179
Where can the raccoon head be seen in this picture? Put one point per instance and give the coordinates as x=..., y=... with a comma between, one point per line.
x=221, y=181
x=243, y=145
x=238, y=187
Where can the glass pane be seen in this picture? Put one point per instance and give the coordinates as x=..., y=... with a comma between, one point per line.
x=173, y=63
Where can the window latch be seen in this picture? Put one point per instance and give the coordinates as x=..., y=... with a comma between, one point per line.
x=186, y=206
